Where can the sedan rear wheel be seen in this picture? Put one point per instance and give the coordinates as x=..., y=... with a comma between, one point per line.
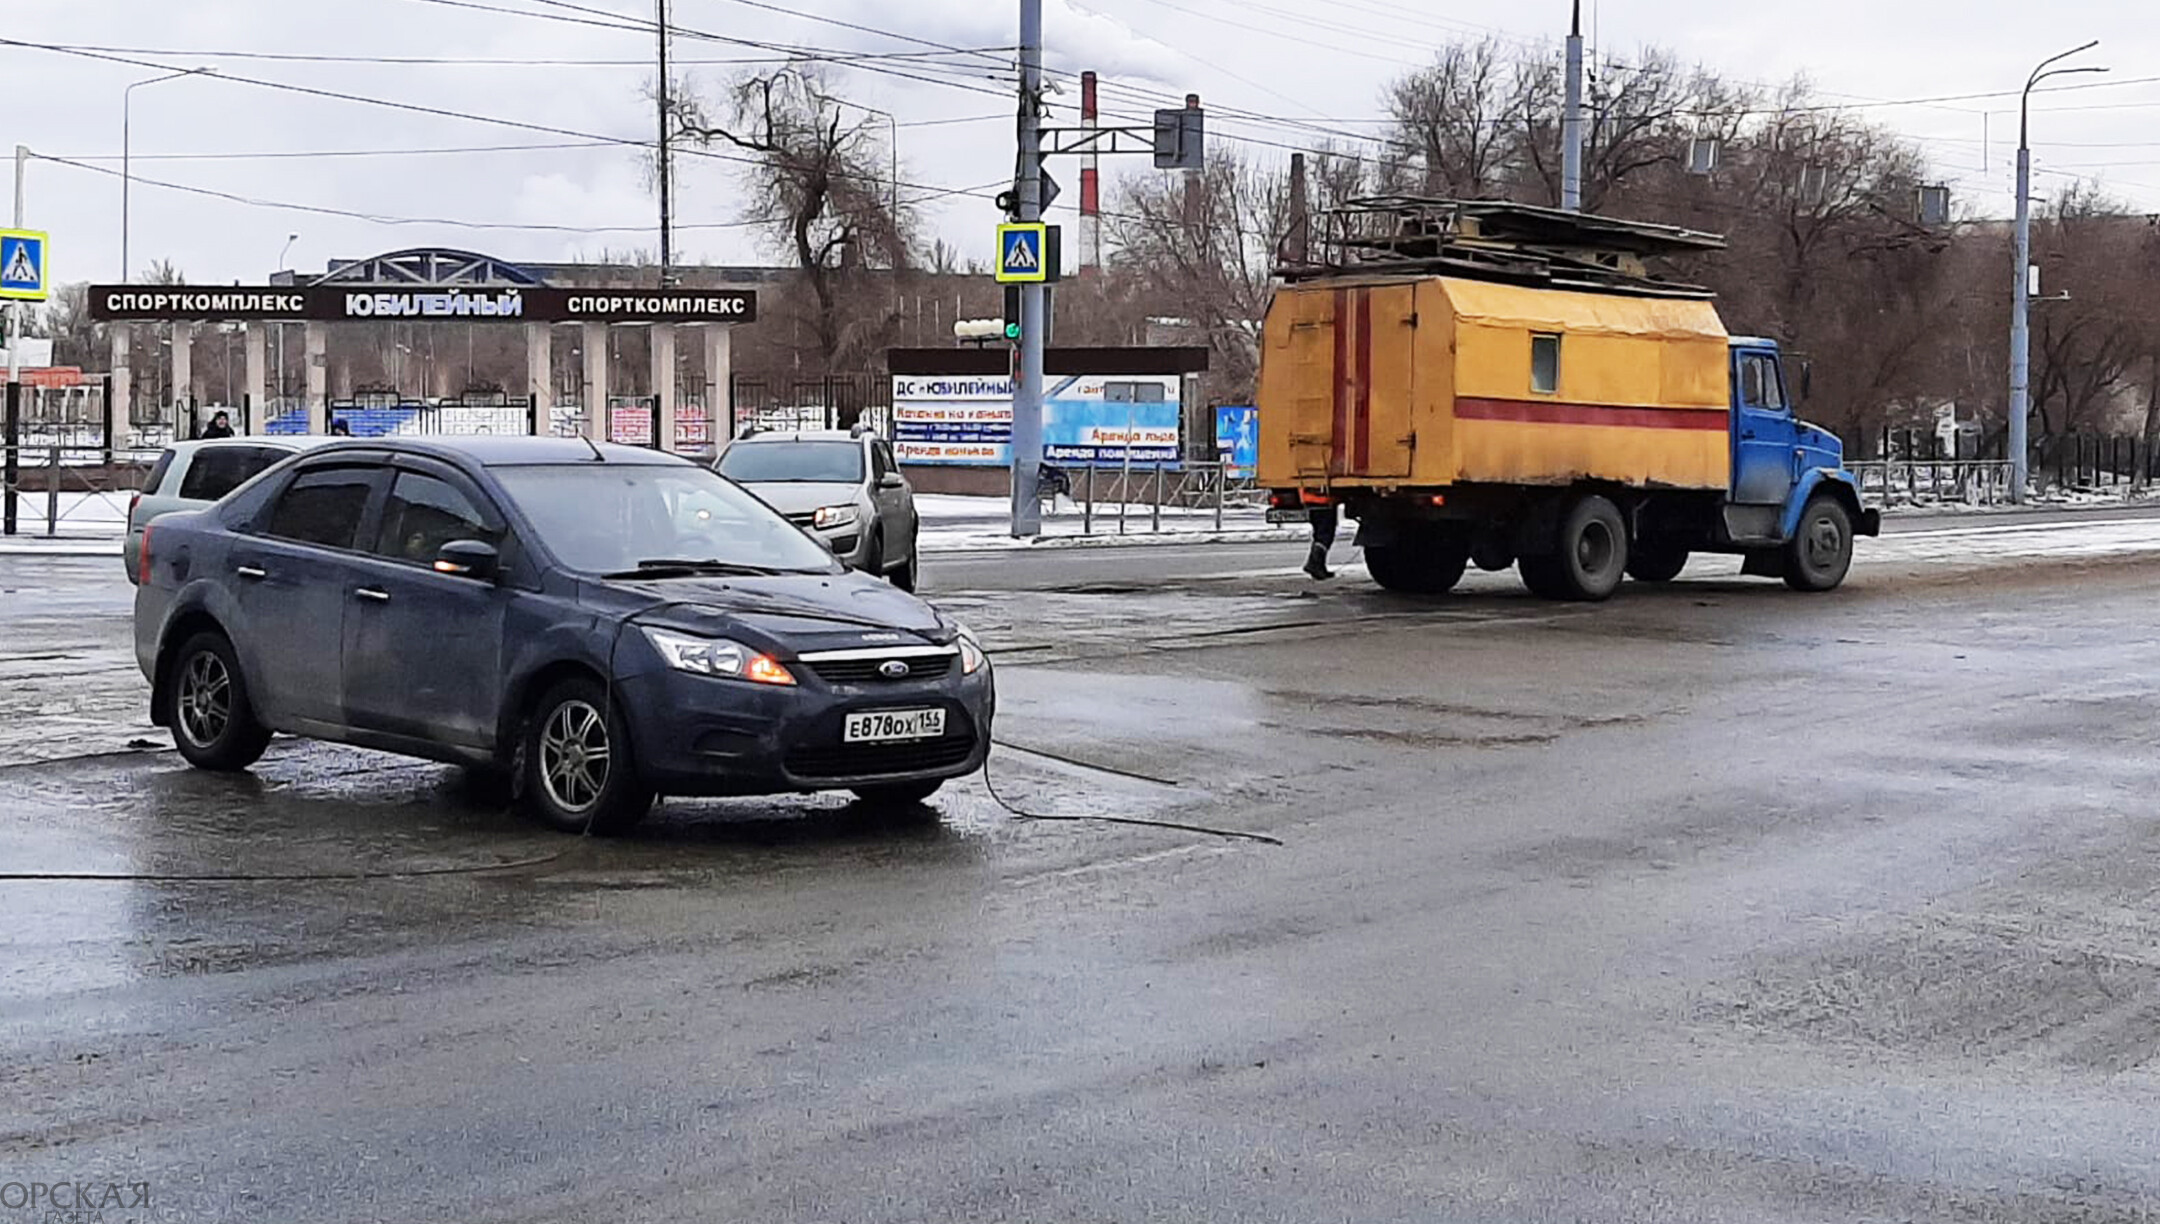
x=579, y=773
x=213, y=721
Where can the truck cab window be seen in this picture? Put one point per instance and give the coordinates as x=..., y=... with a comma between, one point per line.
x=1773, y=390
x=1751, y=382
x=1545, y=364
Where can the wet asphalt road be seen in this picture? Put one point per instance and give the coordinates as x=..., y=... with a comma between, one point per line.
x=1712, y=903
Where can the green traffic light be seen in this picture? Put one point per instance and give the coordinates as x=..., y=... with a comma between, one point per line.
x=1012, y=331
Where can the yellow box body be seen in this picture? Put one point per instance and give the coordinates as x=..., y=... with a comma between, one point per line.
x=1427, y=383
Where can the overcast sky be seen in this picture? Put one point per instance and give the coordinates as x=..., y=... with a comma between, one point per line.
x=1314, y=62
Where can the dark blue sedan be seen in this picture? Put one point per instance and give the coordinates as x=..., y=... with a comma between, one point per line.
x=596, y=624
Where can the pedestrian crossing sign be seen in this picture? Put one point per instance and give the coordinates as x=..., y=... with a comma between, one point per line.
x=1023, y=253
x=22, y=265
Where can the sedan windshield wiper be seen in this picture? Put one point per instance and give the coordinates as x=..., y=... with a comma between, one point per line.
x=673, y=567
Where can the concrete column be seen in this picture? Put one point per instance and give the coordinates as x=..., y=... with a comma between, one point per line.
x=342, y=384
x=258, y=375
x=123, y=376
x=720, y=380
x=595, y=344
x=183, y=368
x=663, y=382
x=318, y=377
x=540, y=374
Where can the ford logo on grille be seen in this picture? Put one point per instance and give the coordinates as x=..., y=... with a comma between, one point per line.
x=893, y=669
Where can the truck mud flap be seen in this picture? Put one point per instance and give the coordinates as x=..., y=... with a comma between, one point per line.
x=1870, y=523
x=1764, y=563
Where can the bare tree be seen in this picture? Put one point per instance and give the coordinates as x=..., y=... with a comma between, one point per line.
x=1206, y=248
x=817, y=171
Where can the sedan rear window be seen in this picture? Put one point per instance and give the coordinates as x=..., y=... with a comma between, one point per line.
x=793, y=462
x=215, y=471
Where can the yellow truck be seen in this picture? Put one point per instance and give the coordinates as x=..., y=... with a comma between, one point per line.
x=1505, y=385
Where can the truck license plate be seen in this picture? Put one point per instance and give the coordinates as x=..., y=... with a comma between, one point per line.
x=893, y=726
x=1279, y=517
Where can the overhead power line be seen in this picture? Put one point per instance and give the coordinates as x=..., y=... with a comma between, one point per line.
x=468, y=61
x=926, y=195
x=418, y=108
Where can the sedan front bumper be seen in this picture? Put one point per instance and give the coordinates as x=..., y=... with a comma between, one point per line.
x=697, y=735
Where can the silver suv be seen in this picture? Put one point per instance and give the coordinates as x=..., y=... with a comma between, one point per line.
x=843, y=487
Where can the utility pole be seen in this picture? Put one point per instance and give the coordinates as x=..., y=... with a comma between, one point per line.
x=1028, y=385
x=1571, y=135
x=2021, y=295
x=667, y=155
x=12, y=334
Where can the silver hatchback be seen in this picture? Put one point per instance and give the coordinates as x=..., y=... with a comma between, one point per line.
x=843, y=487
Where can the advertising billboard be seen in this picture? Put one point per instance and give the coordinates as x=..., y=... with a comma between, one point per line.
x=1094, y=418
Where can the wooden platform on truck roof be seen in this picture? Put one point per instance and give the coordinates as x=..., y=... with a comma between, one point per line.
x=1497, y=240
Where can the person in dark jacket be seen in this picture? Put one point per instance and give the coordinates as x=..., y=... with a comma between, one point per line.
x=220, y=427
x=339, y=429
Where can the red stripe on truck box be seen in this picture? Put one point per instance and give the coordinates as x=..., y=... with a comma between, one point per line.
x=1549, y=412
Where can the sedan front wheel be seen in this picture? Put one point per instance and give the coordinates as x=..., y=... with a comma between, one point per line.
x=578, y=772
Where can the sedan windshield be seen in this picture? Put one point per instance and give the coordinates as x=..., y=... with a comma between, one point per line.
x=608, y=518
x=793, y=462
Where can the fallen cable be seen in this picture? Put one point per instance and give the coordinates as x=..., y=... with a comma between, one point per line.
x=1077, y=763
x=1205, y=830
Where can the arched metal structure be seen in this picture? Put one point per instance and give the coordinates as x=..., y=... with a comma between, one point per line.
x=427, y=266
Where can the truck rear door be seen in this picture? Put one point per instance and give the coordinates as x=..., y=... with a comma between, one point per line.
x=1764, y=432
x=1351, y=348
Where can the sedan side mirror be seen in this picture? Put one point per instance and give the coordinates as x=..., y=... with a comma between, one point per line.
x=892, y=480
x=474, y=559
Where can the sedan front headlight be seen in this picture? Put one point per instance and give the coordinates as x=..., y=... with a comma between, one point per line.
x=972, y=658
x=834, y=516
x=718, y=657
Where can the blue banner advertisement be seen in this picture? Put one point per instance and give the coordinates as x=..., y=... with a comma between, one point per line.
x=1237, y=437
x=1098, y=419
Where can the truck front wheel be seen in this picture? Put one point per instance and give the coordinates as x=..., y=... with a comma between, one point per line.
x=1589, y=555
x=1819, y=555
x=1418, y=561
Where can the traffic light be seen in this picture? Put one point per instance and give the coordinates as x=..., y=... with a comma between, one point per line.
x=1012, y=313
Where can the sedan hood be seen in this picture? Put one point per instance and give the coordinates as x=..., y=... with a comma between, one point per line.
x=824, y=612
x=802, y=498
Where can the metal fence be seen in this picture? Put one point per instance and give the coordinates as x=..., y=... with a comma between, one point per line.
x=828, y=401
x=1980, y=482
x=56, y=491
x=1125, y=499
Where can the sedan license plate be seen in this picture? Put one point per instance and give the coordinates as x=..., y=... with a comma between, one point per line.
x=893, y=726
x=1280, y=517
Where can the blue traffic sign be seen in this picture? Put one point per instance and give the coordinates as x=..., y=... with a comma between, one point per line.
x=22, y=265
x=1023, y=253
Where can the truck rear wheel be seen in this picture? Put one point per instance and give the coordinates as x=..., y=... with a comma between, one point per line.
x=1819, y=555
x=1589, y=557
x=1420, y=561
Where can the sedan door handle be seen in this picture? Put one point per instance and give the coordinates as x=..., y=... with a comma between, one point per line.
x=252, y=573
x=373, y=594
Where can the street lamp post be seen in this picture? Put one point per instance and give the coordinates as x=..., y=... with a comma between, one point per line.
x=2021, y=299
x=127, y=112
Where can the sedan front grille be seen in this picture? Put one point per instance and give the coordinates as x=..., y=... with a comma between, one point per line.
x=877, y=760
x=870, y=670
